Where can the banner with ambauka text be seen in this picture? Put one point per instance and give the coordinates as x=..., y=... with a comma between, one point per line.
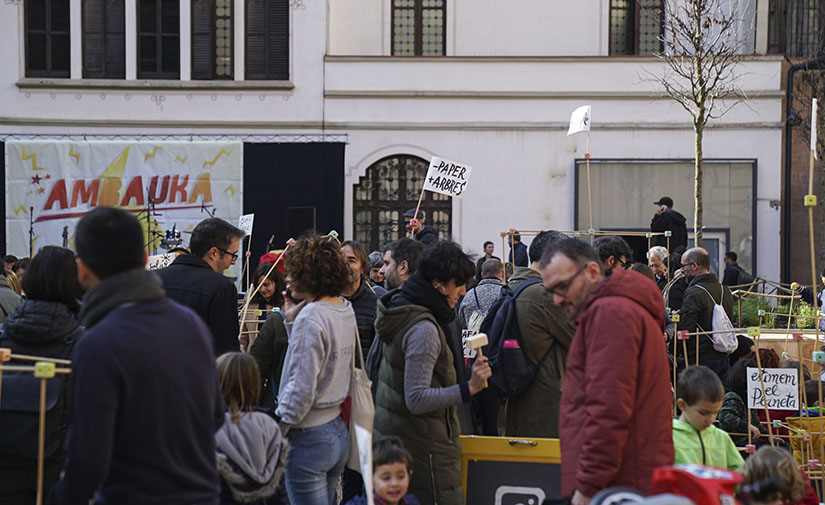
x=169, y=186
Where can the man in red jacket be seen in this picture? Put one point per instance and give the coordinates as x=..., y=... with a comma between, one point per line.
x=615, y=421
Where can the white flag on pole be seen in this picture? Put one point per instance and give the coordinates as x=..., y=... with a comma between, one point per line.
x=813, y=128
x=579, y=120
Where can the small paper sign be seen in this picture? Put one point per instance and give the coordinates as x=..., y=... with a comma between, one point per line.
x=159, y=261
x=363, y=438
x=447, y=177
x=781, y=389
x=245, y=223
x=579, y=120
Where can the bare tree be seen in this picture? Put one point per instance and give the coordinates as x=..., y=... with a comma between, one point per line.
x=702, y=45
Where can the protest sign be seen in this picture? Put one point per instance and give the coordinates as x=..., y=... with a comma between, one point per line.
x=781, y=389
x=245, y=223
x=158, y=261
x=579, y=120
x=447, y=177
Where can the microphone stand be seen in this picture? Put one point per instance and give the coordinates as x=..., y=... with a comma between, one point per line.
x=31, y=232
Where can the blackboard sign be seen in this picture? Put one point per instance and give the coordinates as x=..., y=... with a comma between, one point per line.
x=512, y=482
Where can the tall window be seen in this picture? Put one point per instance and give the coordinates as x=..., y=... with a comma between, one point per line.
x=158, y=39
x=390, y=188
x=104, y=39
x=418, y=27
x=212, y=33
x=267, y=39
x=47, y=38
x=635, y=26
x=796, y=28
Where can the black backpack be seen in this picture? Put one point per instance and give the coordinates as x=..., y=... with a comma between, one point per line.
x=512, y=372
x=20, y=412
x=744, y=277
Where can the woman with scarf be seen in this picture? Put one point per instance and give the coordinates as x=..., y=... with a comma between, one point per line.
x=418, y=390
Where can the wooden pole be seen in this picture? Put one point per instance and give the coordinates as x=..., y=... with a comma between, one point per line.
x=762, y=385
x=41, y=442
x=675, y=342
x=589, y=197
x=415, y=216
x=250, y=297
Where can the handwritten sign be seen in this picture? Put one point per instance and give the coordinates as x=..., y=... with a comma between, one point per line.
x=579, y=120
x=447, y=177
x=245, y=223
x=781, y=389
x=159, y=261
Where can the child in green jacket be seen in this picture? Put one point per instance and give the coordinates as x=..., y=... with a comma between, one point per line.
x=699, y=395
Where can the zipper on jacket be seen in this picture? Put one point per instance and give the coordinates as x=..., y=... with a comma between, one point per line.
x=702, y=444
x=432, y=479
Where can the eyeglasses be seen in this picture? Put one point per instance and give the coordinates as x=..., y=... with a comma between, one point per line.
x=560, y=288
x=234, y=254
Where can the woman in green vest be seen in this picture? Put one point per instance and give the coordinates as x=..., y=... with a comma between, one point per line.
x=418, y=390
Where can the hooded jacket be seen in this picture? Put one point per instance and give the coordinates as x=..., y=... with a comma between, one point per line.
x=672, y=221
x=251, y=457
x=710, y=447
x=431, y=437
x=615, y=424
x=426, y=235
x=8, y=299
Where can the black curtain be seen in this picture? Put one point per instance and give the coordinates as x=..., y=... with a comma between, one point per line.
x=283, y=182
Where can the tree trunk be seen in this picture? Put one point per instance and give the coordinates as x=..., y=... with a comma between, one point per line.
x=698, y=130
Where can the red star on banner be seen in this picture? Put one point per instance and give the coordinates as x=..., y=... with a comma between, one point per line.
x=48, y=176
x=36, y=179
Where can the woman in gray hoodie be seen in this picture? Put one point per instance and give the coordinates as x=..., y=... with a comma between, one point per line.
x=316, y=376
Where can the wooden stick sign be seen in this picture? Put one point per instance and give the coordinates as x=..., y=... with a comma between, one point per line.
x=446, y=177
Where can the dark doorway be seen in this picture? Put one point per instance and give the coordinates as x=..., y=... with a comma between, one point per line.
x=282, y=182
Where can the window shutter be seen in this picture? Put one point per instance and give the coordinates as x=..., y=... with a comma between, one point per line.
x=202, y=39
x=267, y=39
x=104, y=39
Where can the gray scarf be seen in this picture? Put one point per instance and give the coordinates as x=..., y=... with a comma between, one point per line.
x=132, y=286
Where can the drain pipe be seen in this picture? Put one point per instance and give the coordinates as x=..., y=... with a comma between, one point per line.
x=791, y=120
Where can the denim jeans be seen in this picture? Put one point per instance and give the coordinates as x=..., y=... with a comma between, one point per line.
x=316, y=460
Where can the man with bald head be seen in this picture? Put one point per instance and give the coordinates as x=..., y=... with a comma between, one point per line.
x=702, y=293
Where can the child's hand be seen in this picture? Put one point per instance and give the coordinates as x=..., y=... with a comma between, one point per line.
x=755, y=433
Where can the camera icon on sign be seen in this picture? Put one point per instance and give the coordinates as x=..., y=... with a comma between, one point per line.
x=519, y=495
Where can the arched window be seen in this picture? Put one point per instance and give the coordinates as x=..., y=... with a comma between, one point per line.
x=390, y=187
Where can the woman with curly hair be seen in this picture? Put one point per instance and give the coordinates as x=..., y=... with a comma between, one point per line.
x=316, y=376
x=418, y=387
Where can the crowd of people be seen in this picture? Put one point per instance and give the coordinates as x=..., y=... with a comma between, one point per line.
x=176, y=398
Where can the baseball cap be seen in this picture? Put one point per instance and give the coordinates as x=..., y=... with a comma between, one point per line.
x=665, y=200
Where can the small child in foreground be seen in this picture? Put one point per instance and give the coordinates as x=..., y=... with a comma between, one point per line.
x=391, y=464
x=790, y=484
x=696, y=440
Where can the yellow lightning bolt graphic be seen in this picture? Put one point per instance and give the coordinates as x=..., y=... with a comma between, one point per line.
x=33, y=157
x=74, y=155
x=20, y=208
x=215, y=159
x=70, y=241
x=182, y=160
x=232, y=189
x=155, y=149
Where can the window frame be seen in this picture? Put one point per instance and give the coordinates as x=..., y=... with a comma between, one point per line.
x=48, y=33
x=158, y=73
x=270, y=25
x=636, y=9
x=418, y=21
x=213, y=76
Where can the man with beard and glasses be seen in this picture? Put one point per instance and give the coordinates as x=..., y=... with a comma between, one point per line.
x=614, y=425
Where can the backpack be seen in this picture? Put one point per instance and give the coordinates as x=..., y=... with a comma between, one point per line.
x=512, y=372
x=744, y=277
x=725, y=340
x=20, y=412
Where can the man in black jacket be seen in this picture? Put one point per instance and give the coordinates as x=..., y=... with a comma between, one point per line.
x=145, y=396
x=197, y=281
x=703, y=292
x=667, y=219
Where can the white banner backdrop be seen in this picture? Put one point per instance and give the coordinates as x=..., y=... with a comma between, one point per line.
x=57, y=182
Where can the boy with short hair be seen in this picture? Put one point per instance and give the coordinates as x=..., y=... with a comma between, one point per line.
x=699, y=395
x=392, y=468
